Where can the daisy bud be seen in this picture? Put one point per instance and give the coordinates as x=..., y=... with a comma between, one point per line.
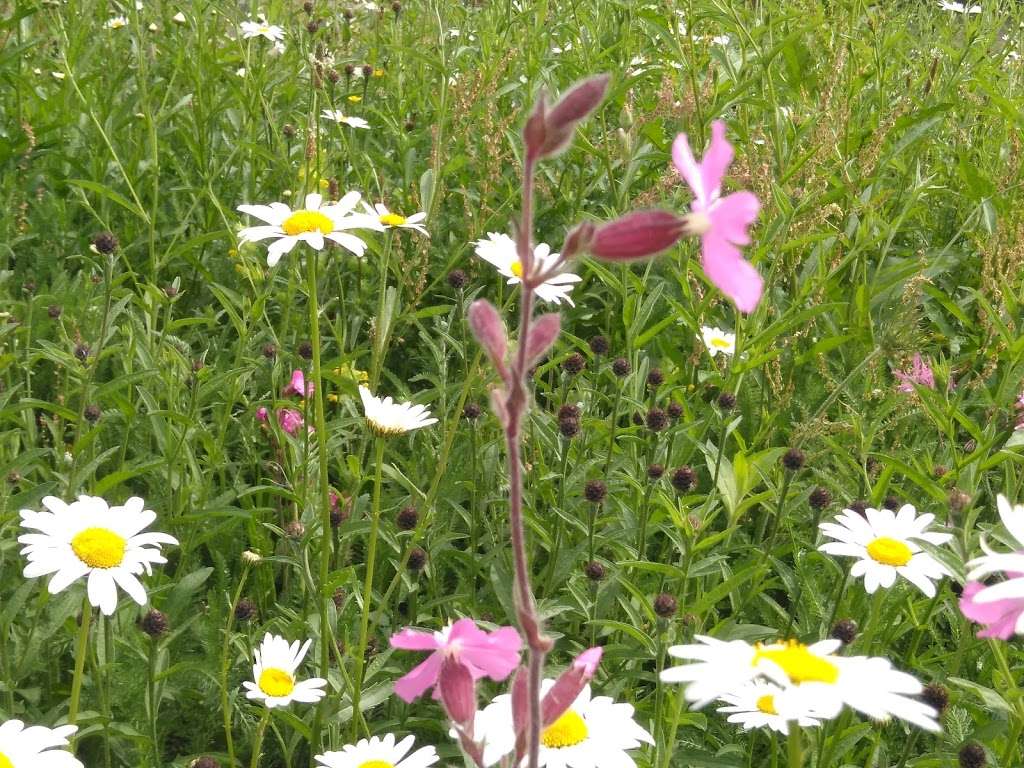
x=489, y=330
x=543, y=334
x=972, y=755
x=567, y=687
x=637, y=235
x=458, y=692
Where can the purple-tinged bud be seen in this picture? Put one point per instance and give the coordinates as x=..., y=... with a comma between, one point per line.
x=567, y=687
x=578, y=240
x=534, y=131
x=458, y=692
x=489, y=330
x=637, y=235
x=520, y=699
x=577, y=103
x=543, y=333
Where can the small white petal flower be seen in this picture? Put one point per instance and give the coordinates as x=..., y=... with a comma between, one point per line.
x=386, y=418
x=179, y=18
x=885, y=544
x=340, y=117
x=273, y=674
x=271, y=32
x=88, y=538
x=500, y=251
x=58, y=75
x=379, y=752
x=392, y=220
x=717, y=340
x=313, y=224
x=240, y=72
x=36, y=746
x=946, y=5
x=762, y=704
x=117, y=22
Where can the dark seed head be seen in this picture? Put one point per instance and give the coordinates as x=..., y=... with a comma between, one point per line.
x=348, y=16
x=82, y=351
x=293, y=529
x=574, y=364
x=568, y=411
x=457, y=279
x=396, y=7
x=595, y=491
x=245, y=610
x=417, y=558
x=367, y=70
x=727, y=401
x=350, y=69
x=936, y=696
x=665, y=605
x=655, y=471
x=569, y=427
x=972, y=755
x=334, y=76
x=793, y=459
x=939, y=471
x=92, y=413
x=13, y=477
x=891, y=502
x=288, y=130
x=305, y=350
x=471, y=411
x=958, y=500
x=54, y=311
x=269, y=351
x=594, y=570
x=105, y=242
x=410, y=125
x=845, y=631
x=683, y=479
x=655, y=378
x=308, y=6
x=657, y=419
x=819, y=498
x=674, y=410
x=859, y=506
x=407, y=518
x=154, y=623
x=638, y=418
x=621, y=367
x=599, y=345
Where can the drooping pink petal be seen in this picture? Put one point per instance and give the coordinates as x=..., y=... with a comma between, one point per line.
x=686, y=164
x=412, y=640
x=298, y=386
x=732, y=216
x=497, y=657
x=1000, y=616
x=730, y=272
x=422, y=677
x=716, y=159
x=290, y=420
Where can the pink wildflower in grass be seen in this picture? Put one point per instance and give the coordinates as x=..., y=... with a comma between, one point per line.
x=721, y=222
x=1001, y=605
x=1003, y=618
x=298, y=385
x=486, y=654
x=920, y=373
x=290, y=420
x=262, y=414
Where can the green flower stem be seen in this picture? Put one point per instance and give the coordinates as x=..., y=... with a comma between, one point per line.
x=794, y=747
x=81, y=651
x=225, y=664
x=154, y=654
x=381, y=329
x=371, y=556
x=999, y=652
x=257, y=741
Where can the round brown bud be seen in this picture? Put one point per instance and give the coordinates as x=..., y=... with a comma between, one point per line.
x=845, y=631
x=595, y=491
x=655, y=378
x=958, y=500
x=293, y=529
x=410, y=125
x=105, y=242
x=972, y=755
x=657, y=420
x=683, y=479
x=350, y=69
x=305, y=350
x=594, y=570
x=288, y=130
x=936, y=697
x=727, y=401
x=367, y=70
x=245, y=609
x=674, y=410
x=621, y=367
x=407, y=518
x=312, y=26
x=417, y=559
x=457, y=279
x=569, y=427
x=82, y=351
x=348, y=16
x=471, y=411
x=568, y=411
x=13, y=477
x=154, y=623
x=308, y=6
x=599, y=345
x=396, y=7
x=574, y=364
x=333, y=77
x=793, y=459
x=339, y=597
x=54, y=311
x=665, y=605
x=820, y=498
x=269, y=351
x=655, y=471
x=92, y=413
x=638, y=418
x=939, y=471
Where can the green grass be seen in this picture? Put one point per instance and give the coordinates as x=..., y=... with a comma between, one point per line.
x=885, y=143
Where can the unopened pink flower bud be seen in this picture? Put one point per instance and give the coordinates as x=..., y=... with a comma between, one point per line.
x=458, y=692
x=489, y=330
x=637, y=235
x=543, y=333
x=262, y=414
x=534, y=131
x=520, y=699
x=569, y=684
x=579, y=102
x=578, y=240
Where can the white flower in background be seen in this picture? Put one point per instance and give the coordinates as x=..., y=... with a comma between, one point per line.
x=179, y=18
x=761, y=704
x=58, y=75
x=273, y=674
x=1010, y=563
x=312, y=225
x=946, y=5
x=595, y=732
x=816, y=679
x=277, y=49
x=378, y=752
x=240, y=72
x=885, y=544
x=500, y=251
x=721, y=39
x=35, y=746
x=271, y=32
x=116, y=23
x=89, y=538
x=387, y=418
x=717, y=340
x=394, y=220
x=153, y=27
x=337, y=116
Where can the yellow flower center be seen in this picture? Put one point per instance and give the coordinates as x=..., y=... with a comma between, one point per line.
x=392, y=220
x=98, y=548
x=5, y=761
x=355, y=98
x=375, y=764
x=516, y=268
x=567, y=731
x=889, y=551
x=720, y=343
x=767, y=704
x=276, y=682
x=307, y=221
x=797, y=661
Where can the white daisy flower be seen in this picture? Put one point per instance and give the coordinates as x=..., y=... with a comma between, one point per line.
x=595, y=732
x=761, y=704
x=340, y=117
x=394, y=220
x=271, y=32
x=818, y=681
x=89, y=538
x=311, y=225
x=273, y=674
x=717, y=340
x=886, y=545
x=380, y=752
x=946, y=5
x=387, y=418
x=36, y=746
x=500, y=250
x=117, y=22
x=1010, y=563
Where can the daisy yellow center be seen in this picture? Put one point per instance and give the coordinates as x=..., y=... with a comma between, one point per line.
x=889, y=551
x=375, y=764
x=276, y=682
x=567, y=731
x=766, y=704
x=720, y=343
x=307, y=221
x=5, y=761
x=516, y=268
x=797, y=661
x=98, y=548
x=392, y=220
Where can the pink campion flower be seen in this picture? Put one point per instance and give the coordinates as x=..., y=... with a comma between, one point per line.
x=1003, y=618
x=920, y=373
x=298, y=385
x=721, y=222
x=262, y=414
x=486, y=654
x=290, y=420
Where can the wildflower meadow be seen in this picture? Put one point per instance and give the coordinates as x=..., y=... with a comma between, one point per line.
x=518, y=383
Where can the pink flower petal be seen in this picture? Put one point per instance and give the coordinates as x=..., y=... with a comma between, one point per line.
x=733, y=215
x=716, y=159
x=730, y=272
x=686, y=164
x=1000, y=615
x=412, y=640
x=422, y=677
